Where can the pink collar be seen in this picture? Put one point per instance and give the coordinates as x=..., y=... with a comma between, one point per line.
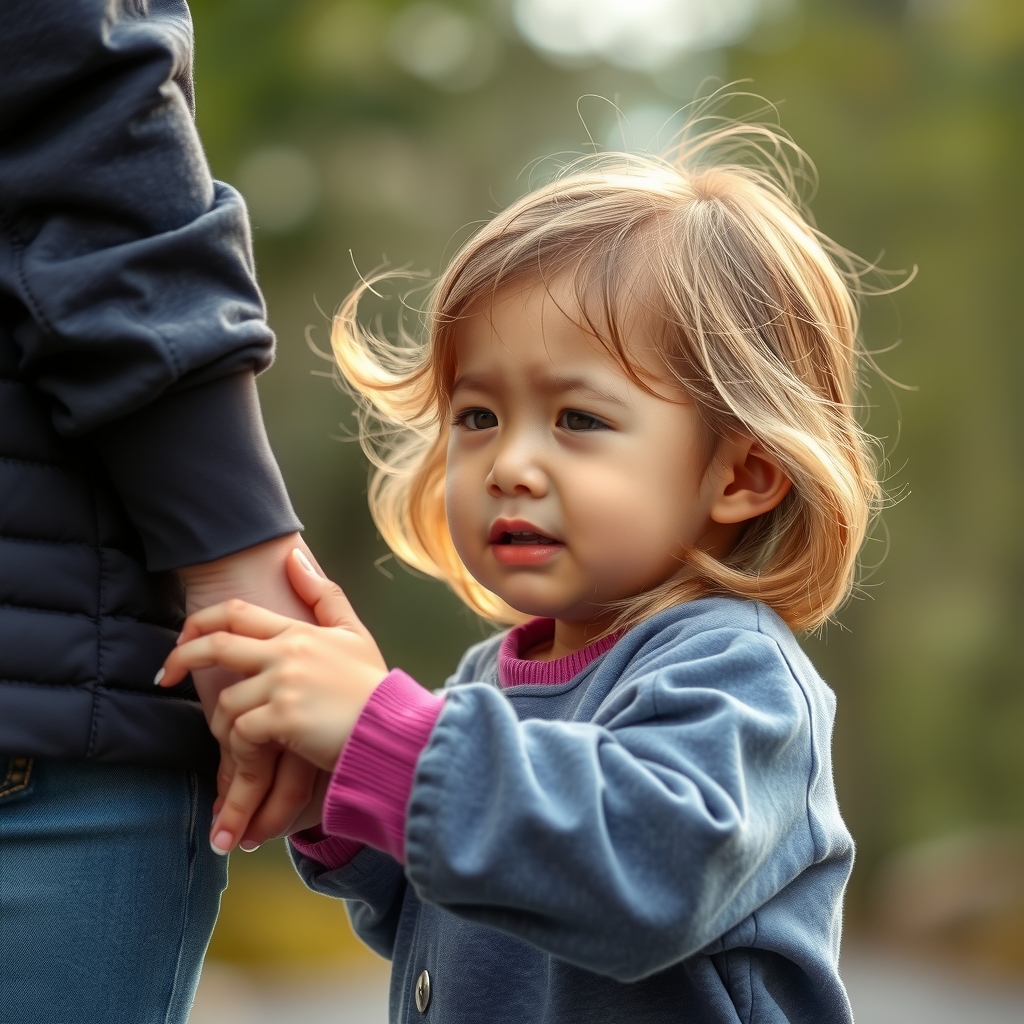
x=515, y=670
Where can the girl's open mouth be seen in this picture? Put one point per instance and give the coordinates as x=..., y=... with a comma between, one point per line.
x=525, y=537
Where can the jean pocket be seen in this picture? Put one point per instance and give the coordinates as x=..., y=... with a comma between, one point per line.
x=15, y=778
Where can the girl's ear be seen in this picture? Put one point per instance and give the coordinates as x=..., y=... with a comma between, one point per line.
x=749, y=481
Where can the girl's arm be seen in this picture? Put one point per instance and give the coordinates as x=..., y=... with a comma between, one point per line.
x=372, y=884
x=701, y=790
x=623, y=844
x=631, y=843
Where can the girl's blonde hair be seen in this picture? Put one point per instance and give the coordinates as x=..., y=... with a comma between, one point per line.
x=754, y=317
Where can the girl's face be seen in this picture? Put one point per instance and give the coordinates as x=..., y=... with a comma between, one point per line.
x=568, y=485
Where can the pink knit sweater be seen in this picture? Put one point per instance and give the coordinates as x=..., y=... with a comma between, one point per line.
x=369, y=790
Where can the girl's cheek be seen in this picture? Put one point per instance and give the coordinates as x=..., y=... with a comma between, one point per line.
x=462, y=522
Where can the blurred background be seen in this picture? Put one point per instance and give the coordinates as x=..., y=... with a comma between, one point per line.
x=363, y=131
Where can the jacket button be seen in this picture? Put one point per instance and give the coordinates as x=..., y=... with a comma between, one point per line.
x=423, y=992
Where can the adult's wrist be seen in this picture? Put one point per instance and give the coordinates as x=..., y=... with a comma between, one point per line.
x=196, y=475
x=256, y=574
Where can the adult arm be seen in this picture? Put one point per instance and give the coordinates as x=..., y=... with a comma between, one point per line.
x=142, y=321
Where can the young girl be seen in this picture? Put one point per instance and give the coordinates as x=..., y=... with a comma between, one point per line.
x=629, y=430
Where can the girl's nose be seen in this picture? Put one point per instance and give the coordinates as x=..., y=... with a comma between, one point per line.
x=516, y=470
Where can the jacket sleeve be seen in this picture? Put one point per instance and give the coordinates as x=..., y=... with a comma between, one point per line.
x=137, y=312
x=625, y=844
x=373, y=887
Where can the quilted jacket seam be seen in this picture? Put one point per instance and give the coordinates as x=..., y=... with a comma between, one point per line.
x=35, y=462
x=80, y=615
x=99, y=688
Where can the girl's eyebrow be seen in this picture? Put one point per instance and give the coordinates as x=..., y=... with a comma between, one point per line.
x=557, y=384
x=551, y=384
x=473, y=381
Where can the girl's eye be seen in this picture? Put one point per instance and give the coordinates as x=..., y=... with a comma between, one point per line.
x=571, y=419
x=477, y=419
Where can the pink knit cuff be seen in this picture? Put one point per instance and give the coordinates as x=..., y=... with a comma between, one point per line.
x=370, y=788
x=331, y=851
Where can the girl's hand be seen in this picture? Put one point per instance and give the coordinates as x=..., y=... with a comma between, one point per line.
x=259, y=575
x=295, y=801
x=306, y=685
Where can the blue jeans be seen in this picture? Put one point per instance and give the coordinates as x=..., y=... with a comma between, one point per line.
x=108, y=892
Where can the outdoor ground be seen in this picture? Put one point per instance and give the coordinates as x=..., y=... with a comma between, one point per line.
x=884, y=989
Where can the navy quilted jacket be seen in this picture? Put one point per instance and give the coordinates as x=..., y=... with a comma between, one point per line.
x=131, y=329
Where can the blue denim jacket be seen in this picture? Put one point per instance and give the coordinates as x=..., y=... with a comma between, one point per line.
x=656, y=840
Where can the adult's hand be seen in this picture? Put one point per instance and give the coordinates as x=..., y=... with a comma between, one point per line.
x=258, y=575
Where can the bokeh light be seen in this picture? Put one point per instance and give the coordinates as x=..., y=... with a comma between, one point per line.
x=281, y=186
x=442, y=46
x=640, y=34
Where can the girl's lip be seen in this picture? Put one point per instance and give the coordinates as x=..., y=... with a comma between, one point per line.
x=535, y=550
x=525, y=554
x=501, y=527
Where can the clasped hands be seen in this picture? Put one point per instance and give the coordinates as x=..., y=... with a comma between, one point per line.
x=304, y=686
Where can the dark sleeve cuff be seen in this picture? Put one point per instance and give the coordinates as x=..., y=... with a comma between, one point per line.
x=196, y=473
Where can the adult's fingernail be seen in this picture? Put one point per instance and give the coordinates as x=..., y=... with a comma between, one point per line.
x=248, y=846
x=159, y=675
x=221, y=843
x=304, y=561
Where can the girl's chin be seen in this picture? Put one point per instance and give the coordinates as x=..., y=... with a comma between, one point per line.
x=540, y=601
